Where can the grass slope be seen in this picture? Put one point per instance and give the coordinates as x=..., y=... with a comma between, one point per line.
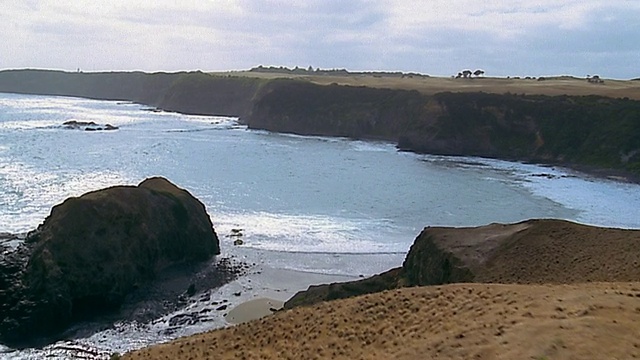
x=464, y=321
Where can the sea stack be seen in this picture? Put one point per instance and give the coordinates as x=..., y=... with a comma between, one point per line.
x=91, y=251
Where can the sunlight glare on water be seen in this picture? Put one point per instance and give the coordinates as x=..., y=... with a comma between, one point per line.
x=288, y=192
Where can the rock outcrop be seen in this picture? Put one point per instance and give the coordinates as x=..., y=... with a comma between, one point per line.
x=91, y=251
x=529, y=252
x=87, y=126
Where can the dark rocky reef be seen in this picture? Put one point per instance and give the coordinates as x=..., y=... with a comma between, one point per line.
x=87, y=126
x=530, y=252
x=94, y=250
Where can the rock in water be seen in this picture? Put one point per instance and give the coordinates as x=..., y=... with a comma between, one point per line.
x=94, y=249
x=87, y=126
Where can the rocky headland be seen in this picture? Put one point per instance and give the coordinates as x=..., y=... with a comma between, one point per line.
x=106, y=253
x=530, y=252
x=531, y=290
x=595, y=133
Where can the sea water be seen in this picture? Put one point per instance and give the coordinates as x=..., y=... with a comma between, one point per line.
x=314, y=204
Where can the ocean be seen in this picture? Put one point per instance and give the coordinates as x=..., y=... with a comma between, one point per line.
x=319, y=206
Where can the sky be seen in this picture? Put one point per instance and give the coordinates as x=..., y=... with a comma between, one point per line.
x=435, y=37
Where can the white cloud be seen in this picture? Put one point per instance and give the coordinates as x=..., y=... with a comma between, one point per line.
x=495, y=17
x=433, y=36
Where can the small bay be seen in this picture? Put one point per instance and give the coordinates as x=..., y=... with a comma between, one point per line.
x=330, y=206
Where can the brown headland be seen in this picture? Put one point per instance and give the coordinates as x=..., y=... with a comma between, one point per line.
x=462, y=321
x=570, y=291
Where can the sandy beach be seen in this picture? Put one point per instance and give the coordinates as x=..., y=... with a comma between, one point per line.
x=253, y=310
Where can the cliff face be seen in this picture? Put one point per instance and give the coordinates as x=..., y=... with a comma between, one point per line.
x=589, y=131
x=586, y=130
x=357, y=112
x=134, y=86
x=202, y=94
x=188, y=93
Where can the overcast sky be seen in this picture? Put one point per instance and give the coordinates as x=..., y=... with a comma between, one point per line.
x=437, y=37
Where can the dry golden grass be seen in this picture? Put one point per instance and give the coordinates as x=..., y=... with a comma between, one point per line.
x=563, y=85
x=462, y=321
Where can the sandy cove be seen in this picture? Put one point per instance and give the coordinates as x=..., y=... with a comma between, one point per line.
x=461, y=321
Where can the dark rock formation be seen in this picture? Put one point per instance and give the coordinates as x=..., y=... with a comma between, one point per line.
x=93, y=250
x=87, y=126
x=530, y=252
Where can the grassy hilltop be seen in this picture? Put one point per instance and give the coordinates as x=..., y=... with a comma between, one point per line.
x=430, y=85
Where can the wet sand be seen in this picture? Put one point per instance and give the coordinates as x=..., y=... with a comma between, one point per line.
x=253, y=310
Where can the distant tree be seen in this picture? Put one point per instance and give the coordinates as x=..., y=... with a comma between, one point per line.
x=478, y=72
x=310, y=68
x=466, y=73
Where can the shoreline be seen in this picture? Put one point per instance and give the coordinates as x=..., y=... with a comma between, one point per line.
x=259, y=104
x=204, y=311
x=211, y=308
